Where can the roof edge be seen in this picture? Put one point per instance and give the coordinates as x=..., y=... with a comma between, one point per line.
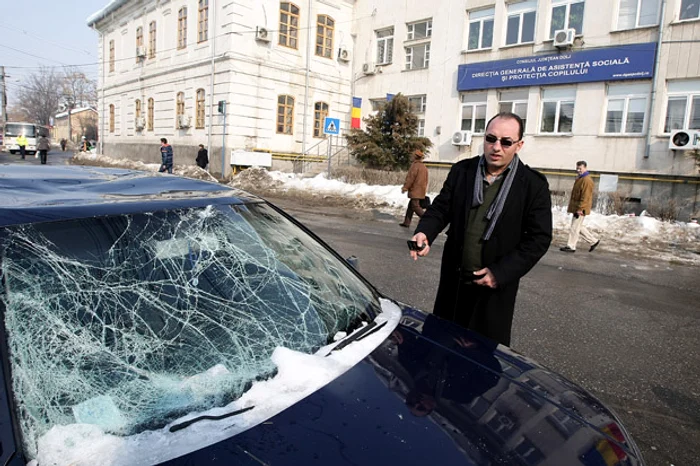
x=113, y=6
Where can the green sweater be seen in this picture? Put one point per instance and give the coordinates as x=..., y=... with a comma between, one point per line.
x=476, y=225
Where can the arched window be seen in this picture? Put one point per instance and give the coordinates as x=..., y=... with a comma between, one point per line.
x=151, y=109
x=324, y=36
x=180, y=106
x=289, y=25
x=139, y=42
x=182, y=28
x=203, y=21
x=285, y=114
x=111, y=118
x=137, y=108
x=320, y=114
x=111, y=56
x=200, y=109
x=152, y=40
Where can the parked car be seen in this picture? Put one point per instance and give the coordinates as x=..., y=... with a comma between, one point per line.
x=155, y=319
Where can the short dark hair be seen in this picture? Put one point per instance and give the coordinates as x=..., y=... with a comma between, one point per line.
x=510, y=116
x=202, y=146
x=163, y=140
x=581, y=162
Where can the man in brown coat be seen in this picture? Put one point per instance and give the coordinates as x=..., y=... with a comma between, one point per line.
x=580, y=205
x=416, y=184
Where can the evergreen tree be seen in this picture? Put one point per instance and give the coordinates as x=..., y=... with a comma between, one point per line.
x=391, y=137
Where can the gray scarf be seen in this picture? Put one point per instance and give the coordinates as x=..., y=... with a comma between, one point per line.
x=497, y=206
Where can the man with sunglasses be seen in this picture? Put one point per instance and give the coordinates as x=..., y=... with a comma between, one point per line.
x=499, y=213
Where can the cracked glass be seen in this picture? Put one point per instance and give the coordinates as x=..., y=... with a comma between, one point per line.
x=129, y=322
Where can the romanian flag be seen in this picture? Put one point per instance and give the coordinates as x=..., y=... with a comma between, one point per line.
x=605, y=452
x=356, y=114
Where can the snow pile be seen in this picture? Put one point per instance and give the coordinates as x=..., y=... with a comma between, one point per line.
x=189, y=171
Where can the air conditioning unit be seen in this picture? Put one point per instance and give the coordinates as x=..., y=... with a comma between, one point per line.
x=564, y=38
x=262, y=34
x=344, y=54
x=462, y=138
x=684, y=139
x=369, y=68
x=140, y=123
x=141, y=52
x=183, y=121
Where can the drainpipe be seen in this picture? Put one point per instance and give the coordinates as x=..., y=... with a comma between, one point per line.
x=306, y=79
x=654, y=79
x=211, y=83
x=101, y=134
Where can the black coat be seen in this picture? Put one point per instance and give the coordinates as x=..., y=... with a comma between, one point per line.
x=520, y=238
x=202, y=158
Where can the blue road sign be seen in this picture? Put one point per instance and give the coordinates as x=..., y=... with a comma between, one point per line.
x=331, y=125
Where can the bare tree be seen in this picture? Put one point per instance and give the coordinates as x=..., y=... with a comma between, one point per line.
x=78, y=89
x=40, y=95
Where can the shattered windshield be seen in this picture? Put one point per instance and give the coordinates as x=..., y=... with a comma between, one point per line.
x=129, y=322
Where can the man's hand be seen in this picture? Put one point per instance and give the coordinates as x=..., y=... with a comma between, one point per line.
x=420, y=239
x=487, y=280
x=580, y=213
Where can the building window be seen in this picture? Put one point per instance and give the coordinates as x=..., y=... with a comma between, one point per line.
x=151, y=110
x=566, y=14
x=377, y=104
x=683, y=108
x=514, y=102
x=417, y=103
x=137, y=109
x=418, y=56
x=420, y=30
x=111, y=56
x=289, y=25
x=558, y=110
x=626, y=109
x=139, y=42
x=111, y=118
x=180, y=104
x=421, y=127
x=182, y=28
x=285, y=114
x=521, y=22
x=637, y=13
x=200, y=109
x=690, y=9
x=480, y=29
x=474, y=112
x=203, y=21
x=385, y=46
x=320, y=114
x=324, y=36
x=152, y=40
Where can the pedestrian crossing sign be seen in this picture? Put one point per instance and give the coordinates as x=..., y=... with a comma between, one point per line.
x=331, y=126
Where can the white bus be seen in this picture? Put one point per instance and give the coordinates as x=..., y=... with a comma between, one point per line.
x=31, y=131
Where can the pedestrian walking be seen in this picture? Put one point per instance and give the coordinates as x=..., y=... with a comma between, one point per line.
x=416, y=185
x=63, y=144
x=580, y=205
x=202, y=159
x=22, y=143
x=166, y=155
x=43, y=146
x=85, y=145
x=499, y=213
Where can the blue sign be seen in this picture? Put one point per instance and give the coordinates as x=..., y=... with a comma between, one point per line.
x=331, y=125
x=622, y=62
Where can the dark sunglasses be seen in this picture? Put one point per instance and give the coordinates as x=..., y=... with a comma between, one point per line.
x=505, y=142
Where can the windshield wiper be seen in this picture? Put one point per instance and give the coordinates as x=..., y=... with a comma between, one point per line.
x=359, y=334
x=188, y=423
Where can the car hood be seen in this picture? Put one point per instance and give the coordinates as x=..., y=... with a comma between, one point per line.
x=434, y=392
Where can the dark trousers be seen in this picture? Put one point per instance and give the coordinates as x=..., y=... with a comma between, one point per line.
x=477, y=309
x=164, y=168
x=22, y=152
x=413, y=206
x=42, y=154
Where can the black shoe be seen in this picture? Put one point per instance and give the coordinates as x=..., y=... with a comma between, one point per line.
x=594, y=246
x=567, y=249
x=404, y=225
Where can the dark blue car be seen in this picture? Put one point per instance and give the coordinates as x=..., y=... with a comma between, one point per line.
x=152, y=319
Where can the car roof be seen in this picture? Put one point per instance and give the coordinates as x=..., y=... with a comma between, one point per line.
x=30, y=194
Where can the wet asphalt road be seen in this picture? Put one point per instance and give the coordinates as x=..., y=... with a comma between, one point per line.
x=626, y=329
x=54, y=157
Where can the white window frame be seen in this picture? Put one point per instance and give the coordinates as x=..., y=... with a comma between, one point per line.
x=520, y=10
x=559, y=96
x=476, y=101
x=409, y=56
x=411, y=30
x=376, y=104
x=481, y=17
x=421, y=104
x=388, y=42
x=638, y=14
x=617, y=93
x=688, y=91
x=680, y=14
x=567, y=18
x=421, y=127
x=504, y=98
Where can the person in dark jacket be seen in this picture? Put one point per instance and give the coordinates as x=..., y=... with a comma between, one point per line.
x=416, y=184
x=499, y=213
x=166, y=155
x=202, y=159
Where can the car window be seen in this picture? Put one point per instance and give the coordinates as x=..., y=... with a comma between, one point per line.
x=128, y=322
